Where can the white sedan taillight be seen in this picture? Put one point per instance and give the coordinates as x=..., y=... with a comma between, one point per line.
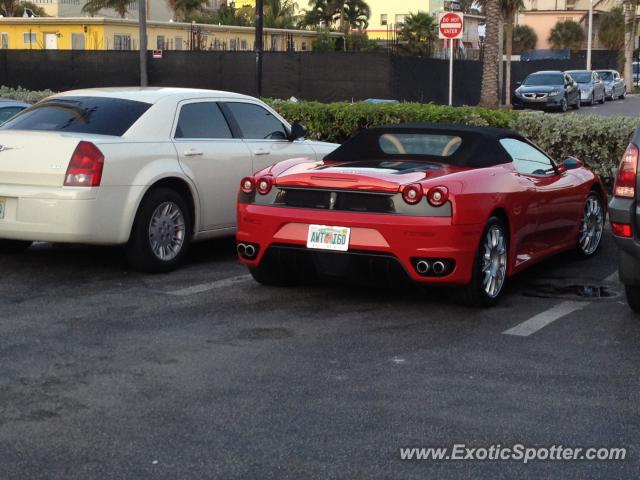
x=85, y=167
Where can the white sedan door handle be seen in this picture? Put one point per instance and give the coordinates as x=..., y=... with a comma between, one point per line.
x=192, y=152
x=261, y=151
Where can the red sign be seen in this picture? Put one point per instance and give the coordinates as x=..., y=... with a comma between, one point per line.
x=450, y=25
x=157, y=54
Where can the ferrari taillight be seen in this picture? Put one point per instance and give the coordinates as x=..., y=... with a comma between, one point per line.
x=264, y=184
x=247, y=184
x=412, y=194
x=438, y=196
x=85, y=166
x=625, y=185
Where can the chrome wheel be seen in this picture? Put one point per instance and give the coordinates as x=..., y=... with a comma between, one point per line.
x=591, y=226
x=494, y=261
x=167, y=231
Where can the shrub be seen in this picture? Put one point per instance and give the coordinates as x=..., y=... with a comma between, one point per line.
x=22, y=95
x=598, y=141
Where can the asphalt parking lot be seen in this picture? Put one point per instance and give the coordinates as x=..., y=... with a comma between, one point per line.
x=629, y=107
x=111, y=374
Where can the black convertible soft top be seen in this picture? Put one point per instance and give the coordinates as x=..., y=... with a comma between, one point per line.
x=480, y=146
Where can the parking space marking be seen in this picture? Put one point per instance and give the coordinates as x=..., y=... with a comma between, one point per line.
x=205, y=287
x=543, y=319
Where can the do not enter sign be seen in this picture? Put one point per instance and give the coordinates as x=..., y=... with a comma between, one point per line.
x=450, y=25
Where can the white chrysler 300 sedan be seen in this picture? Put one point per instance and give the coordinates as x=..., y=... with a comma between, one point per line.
x=148, y=168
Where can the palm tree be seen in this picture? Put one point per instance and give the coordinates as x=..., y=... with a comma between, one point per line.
x=524, y=38
x=279, y=13
x=321, y=14
x=94, y=6
x=567, y=35
x=489, y=89
x=356, y=15
x=419, y=31
x=630, y=7
x=182, y=8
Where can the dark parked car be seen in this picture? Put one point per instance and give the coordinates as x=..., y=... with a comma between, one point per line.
x=591, y=86
x=9, y=108
x=552, y=90
x=614, y=84
x=625, y=221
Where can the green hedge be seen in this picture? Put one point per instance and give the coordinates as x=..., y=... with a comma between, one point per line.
x=598, y=141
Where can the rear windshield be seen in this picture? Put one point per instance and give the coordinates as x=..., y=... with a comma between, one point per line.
x=95, y=115
x=581, y=77
x=419, y=144
x=544, y=79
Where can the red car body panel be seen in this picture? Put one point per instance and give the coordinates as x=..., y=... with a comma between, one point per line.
x=543, y=213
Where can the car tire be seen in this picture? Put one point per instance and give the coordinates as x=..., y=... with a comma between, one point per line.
x=633, y=297
x=480, y=292
x=564, y=106
x=13, y=246
x=602, y=100
x=161, y=232
x=591, y=227
x=577, y=105
x=623, y=94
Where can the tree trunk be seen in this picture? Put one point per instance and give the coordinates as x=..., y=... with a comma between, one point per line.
x=508, y=34
x=629, y=23
x=489, y=90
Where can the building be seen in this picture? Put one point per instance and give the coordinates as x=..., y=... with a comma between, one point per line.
x=92, y=33
x=387, y=16
x=543, y=15
x=157, y=10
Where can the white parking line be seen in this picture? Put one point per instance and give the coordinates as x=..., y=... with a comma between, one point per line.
x=543, y=319
x=205, y=287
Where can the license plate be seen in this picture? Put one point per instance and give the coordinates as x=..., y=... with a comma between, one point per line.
x=2, y=203
x=324, y=237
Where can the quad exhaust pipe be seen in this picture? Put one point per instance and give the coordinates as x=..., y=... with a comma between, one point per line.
x=439, y=267
x=246, y=250
x=422, y=267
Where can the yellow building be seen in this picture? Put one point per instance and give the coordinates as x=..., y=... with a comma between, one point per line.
x=82, y=33
x=387, y=15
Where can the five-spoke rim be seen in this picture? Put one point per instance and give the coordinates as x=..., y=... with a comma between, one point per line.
x=591, y=226
x=167, y=231
x=494, y=261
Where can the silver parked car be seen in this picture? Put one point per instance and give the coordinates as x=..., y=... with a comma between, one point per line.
x=591, y=86
x=614, y=84
x=9, y=108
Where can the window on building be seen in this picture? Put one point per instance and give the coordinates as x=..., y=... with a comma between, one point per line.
x=243, y=44
x=29, y=38
x=160, y=43
x=202, y=120
x=121, y=42
x=274, y=43
x=303, y=46
x=384, y=19
x=77, y=41
x=4, y=41
x=178, y=43
x=400, y=18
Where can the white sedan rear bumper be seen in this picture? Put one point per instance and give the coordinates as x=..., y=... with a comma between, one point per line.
x=101, y=215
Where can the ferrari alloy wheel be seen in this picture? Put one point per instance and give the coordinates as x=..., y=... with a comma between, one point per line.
x=161, y=232
x=591, y=226
x=490, y=267
x=494, y=261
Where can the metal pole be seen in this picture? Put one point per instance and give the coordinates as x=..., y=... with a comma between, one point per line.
x=590, y=34
x=450, y=71
x=259, y=44
x=142, y=23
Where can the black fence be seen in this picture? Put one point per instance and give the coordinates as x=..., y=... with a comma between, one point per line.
x=311, y=76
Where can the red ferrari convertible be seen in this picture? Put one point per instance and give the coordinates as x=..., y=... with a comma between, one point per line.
x=444, y=205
